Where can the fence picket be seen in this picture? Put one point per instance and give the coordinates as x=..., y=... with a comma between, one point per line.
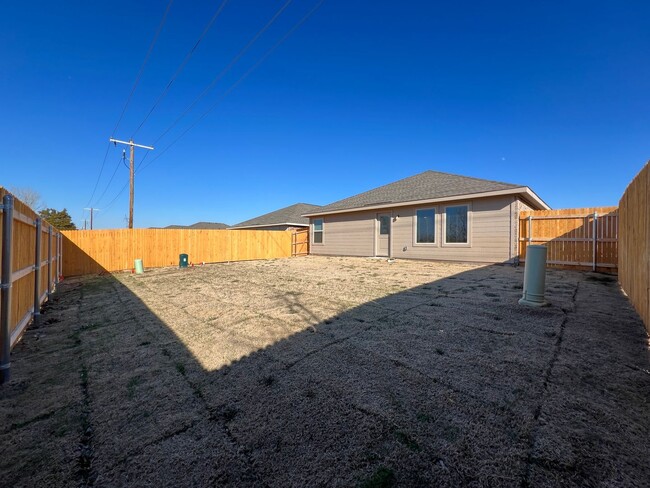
x=576, y=237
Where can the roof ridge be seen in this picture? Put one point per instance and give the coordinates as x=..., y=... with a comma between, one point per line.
x=469, y=177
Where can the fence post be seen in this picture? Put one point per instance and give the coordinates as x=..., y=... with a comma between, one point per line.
x=49, y=262
x=60, y=273
x=5, y=288
x=56, y=269
x=595, y=238
x=37, y=268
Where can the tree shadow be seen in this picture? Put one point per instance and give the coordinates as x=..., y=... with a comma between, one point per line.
x=446, y=383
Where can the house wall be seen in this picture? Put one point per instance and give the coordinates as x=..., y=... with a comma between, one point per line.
x=492, y=233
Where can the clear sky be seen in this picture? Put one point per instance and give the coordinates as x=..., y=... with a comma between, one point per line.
x=553, y=95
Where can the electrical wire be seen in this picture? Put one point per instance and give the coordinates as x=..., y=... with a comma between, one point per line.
x=117, y=166
x=101, y=170
x=220, y=75
x=228, y=67
x=240, y=80
x=180, y=68
x=144, y=63
x=230, y=89
x=110, y=204
x=128, y=100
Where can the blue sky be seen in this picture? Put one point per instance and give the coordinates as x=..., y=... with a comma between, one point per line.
x=553, y=95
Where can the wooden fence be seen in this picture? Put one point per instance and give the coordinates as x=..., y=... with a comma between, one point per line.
x=585, y=238
x=634, y=262
x=30, y=269
x=97, y=251
x=300, y=243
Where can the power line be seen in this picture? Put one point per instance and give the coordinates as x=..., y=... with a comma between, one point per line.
x=144, y=63
x=101, y=169
x=132, y=146
x=117, y=166
x=128, y=100
x=230, y=89
x=182, y=65
x=110, y=204
x=214, y=81
x=241, y=79
x=228, y=67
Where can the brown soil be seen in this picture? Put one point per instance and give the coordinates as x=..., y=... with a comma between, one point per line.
x=329, y=372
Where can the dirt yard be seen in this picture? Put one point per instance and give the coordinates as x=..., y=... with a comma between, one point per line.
x=329, y=372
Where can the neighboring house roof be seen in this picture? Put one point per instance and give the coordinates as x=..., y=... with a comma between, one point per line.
x=200, y=225
x=429, y=186
x=291, y=215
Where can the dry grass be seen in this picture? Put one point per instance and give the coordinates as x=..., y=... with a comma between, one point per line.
x=329, y=371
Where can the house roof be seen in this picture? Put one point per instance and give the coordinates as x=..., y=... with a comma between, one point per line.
x=200, y=225
x=426, y=187
x=291, y=215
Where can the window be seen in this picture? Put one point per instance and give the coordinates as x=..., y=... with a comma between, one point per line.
x=456, y=224
x=384, y=225
x=425, y=226
x=318, y=231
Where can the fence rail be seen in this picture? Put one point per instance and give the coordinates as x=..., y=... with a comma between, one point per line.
x=634, y=266
x=577, y=237
x=97, y=251
x=29, y=271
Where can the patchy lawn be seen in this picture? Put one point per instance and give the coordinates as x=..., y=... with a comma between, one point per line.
x=329, y=372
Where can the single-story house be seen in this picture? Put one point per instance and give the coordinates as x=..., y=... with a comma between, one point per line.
x=290, y=217
x=431, y=215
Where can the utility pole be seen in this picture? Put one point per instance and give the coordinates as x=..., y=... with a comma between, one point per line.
x=91, y=216
x=131, y=172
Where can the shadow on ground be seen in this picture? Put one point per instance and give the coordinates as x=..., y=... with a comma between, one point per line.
x=446, y=383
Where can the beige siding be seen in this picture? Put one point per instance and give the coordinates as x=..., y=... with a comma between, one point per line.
x=492, y=233
x=347, y=235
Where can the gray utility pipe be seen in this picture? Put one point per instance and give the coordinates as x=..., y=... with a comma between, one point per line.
x=5, y=288
x=534, y=277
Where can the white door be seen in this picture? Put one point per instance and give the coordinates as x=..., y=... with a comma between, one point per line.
x=383, y=234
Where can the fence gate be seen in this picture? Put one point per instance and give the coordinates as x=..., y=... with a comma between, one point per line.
x=580, y=237
x=300, y=243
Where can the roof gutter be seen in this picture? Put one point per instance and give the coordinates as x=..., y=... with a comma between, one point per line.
x=529, y=195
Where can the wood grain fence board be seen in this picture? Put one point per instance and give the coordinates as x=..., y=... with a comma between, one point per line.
x=300, y=243
x=634, y=251
x=23, y=255
x=569, y=236
x=97, y=251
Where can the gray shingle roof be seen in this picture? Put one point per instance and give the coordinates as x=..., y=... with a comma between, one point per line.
x=287, y=215
x=423, y=186
x=200, y=225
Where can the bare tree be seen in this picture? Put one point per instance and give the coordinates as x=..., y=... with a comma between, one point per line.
x=29, y=197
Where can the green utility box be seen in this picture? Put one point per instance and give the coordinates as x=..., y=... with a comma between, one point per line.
x=182, y=261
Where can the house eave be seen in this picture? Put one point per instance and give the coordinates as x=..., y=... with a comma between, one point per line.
x=235, y=227
x=529, y=195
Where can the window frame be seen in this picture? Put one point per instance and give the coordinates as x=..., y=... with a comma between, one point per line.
x=469, y=226
x=322, y=231
x=436, y=232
